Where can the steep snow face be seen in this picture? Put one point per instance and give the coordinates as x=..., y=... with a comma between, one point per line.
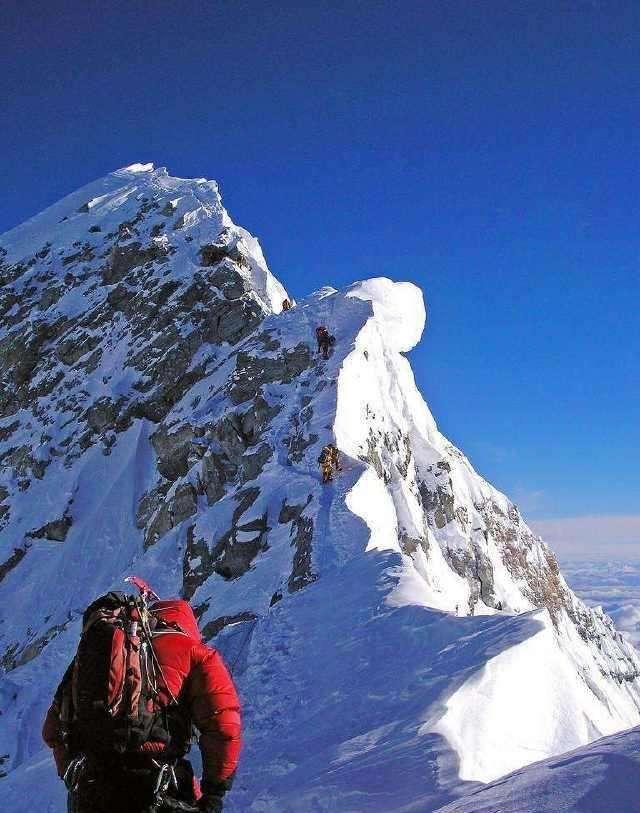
x=604, y=776
x=166, y=420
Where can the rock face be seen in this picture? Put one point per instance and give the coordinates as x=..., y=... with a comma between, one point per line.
x=159, y=415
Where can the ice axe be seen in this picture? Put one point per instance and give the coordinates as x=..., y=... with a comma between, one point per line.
x=145, y=591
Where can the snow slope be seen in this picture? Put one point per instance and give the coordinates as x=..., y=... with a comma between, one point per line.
x=599, y=778
x=397, y=636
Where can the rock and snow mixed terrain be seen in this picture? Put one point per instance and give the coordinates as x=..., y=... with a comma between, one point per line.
x=398, y=636
x=612, y=585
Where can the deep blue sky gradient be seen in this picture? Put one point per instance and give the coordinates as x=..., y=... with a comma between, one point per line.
x=487, y=150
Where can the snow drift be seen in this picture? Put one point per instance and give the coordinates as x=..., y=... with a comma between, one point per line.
x=397, y=636
x=596, y=779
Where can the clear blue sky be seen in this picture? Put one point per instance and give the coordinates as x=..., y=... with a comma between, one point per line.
x=486, y=150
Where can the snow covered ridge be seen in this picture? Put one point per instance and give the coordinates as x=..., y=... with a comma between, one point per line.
x=159, y=415
x=599, y=778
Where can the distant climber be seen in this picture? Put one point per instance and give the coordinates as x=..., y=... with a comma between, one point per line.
x=329, y=461
x=121, y=720
x=325, y=340
x=286, y=305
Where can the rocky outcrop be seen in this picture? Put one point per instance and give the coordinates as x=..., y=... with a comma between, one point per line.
x=13, y=561
x=54, y=531
x=125, y=258
x=17, y=655
x=301, y=541
x=212, y=628
x=180, y=503
x=438, y=502
x=219, y=454
x=253, y=372
x=232, y=552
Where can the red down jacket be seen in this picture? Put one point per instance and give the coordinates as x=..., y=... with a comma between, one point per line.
x=197, y=675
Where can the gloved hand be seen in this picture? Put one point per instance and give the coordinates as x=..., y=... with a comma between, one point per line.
x=212, y=795
x=211, y=803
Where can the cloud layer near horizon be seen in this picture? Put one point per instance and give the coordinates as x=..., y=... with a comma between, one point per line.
x=592, y=537
x=613, y=585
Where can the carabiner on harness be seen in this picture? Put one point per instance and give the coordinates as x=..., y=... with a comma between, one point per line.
x=74, y=771
x=166, y=779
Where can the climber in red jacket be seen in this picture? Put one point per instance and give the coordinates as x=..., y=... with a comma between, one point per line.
x=195, y=676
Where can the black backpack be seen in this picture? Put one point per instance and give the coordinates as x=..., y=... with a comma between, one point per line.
x=110, y=694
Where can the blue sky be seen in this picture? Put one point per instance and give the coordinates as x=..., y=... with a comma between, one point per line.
x=486, y=150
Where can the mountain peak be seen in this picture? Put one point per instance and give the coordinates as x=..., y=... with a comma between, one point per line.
x=159, y=414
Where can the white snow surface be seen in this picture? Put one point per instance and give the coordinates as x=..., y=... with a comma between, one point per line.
x=430, y=643
x=603, y=777
x=398, y=308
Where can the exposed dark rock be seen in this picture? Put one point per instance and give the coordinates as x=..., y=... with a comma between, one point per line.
x=230, y=436
x=233, y=556
x=160, y=524
x=197, y=564
x=485, y=577
x=297, y=444
x=49, y=297
x=253, y=464
x=288, y=513
x=168, y=391
x=245, y=500
x=85, y=255
x=20, y=459
x=172, y=449
x=54, y=531
x=184, y=504
x=462, y=517
x=212, y=628
x=231, y=321
x=410, y=544
x=302, y=538
x=7, y=566
x=171, y=512
x=124, y=258
x=102, y=415
x=252, y=372
x=255, y=420
x=438, y=503
x=214, y=253
x=7, y=431
x=73, y=347
x=92, y=362
x=215, y=472
x=16, y=656
x=234, y=551
x=150, y=503
x=227, y=279
x=372, y=456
